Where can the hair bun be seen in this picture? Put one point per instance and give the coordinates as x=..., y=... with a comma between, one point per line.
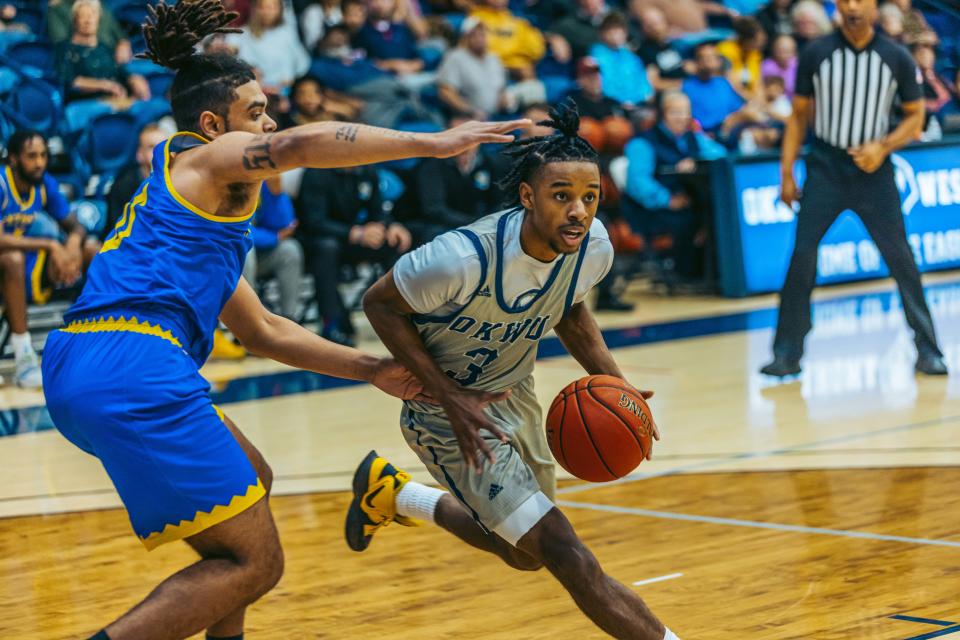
x=565, y=118
x=172, y=31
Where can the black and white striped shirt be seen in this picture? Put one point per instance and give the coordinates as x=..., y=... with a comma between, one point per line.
x=854, y=90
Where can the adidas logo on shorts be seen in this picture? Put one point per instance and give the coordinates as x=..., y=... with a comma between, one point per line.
x=495, y=490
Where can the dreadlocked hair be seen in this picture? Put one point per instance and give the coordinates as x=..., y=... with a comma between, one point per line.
x=204, y=82
x=532, y=153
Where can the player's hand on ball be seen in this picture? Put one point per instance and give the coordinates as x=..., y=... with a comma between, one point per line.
x=464, y=409
x=646, y=395
x=471, y=134
x=393, y=378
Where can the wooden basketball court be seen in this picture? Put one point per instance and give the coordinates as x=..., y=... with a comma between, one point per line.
x=823, y=508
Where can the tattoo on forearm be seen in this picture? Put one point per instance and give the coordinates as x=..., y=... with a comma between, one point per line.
x=257, y=156
x=347, y=132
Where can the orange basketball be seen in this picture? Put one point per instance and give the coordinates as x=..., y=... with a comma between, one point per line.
x=599, y=428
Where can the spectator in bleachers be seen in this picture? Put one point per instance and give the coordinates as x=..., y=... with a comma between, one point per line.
x=316, y=18
x=665, y=64
x=890, y=20
x=775, y=18
x=603, y=122
x=453, y=192
x=745, y=55
x=810, y=21
x=683, y=16
x=659, y=198
x=715, y=103
x=387, y=103
x=131, y=177
x=581, y=28
x=623, y=73
x=271, y=44
x=782, y=62
x=343, y=221
x=276, y=252
x=915, y=25
x=519, y=45
x=310, y=102
x=938, y=92
x=354, y=15
x=471, y=80
x=390, y=37
x=8, y=19
x=42, y=246
x=89, y=69
x=60, y=23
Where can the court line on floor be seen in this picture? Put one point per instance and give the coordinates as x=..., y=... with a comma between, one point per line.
x=640, y=583
x=768, y=453
x=773, y=526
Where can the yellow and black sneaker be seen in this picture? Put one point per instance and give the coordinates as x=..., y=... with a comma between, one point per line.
x=376, y=484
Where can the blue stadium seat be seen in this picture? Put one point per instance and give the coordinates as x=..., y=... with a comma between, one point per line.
x=159, y=82
x=32, y=15
x=557, y=87
x=131, y=13
x=110, y=142
x=34, y=104
x=36, y=55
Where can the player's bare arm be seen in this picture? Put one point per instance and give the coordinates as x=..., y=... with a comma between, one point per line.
x=390, y=315
x=240, y=156
x=581, y=337
x=793, y=135
x=266, y=334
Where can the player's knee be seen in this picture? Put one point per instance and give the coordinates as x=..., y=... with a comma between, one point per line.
x=266, y=571
x=12, y=261
x=521, y=561
x=564, y=555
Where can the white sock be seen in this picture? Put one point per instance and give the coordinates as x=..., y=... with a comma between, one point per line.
x=21, y=343
x=670, y=635
x=418, y=501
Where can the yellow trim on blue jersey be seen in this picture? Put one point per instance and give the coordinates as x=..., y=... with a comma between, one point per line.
x=39, y=294
x=16, y=194
x=183, y=201
x=102, y=325
x=125, y=224
x=204, y=520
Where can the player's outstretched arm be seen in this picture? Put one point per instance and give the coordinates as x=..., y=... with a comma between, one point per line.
x=581, y=337
x=245, y=157
x=271, y=336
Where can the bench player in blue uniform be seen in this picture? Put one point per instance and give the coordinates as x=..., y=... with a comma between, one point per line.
x=122, y=377
x=42, y=246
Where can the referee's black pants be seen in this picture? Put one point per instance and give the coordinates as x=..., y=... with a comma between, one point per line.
x=834, y=183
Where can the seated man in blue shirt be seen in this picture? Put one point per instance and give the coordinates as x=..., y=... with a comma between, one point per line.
x=715, y=104
x=276, y=253
x=660, y=194
x=392, y=45
x=35, y=257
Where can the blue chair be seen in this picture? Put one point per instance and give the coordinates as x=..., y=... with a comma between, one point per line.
x=557, y=87
x=35, y=17
x=160, y=82
x=110, y=142
x=131, y=13
x=34, y=104
x=35, y=55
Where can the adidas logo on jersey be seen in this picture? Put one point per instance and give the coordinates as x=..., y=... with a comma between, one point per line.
x=484, y=293
x=495, y=490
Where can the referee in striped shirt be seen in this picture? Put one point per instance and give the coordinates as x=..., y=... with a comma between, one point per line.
x=846, y=86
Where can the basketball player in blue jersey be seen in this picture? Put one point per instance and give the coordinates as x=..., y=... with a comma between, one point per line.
x=465, y=313
x=33, y=259
x=122, y=377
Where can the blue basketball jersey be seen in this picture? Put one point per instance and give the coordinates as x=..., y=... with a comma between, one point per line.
x=167, y=267
x=19, y=211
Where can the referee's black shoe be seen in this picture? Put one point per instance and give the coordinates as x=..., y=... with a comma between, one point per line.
x=932, y=365
x=781, y=367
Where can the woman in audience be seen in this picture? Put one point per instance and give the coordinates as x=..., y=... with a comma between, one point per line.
x=272, y=46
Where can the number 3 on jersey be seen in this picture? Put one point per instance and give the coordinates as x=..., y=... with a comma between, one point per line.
x=482, y=356
x=125, y=224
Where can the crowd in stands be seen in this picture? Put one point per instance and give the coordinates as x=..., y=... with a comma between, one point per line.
x=663, y=86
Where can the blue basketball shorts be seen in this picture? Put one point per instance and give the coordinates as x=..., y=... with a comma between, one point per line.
x=125, y=392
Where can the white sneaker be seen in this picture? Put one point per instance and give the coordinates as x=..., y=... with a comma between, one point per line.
x=28, y=375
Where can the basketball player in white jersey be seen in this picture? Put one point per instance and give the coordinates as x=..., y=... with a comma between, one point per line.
x=465, y=313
